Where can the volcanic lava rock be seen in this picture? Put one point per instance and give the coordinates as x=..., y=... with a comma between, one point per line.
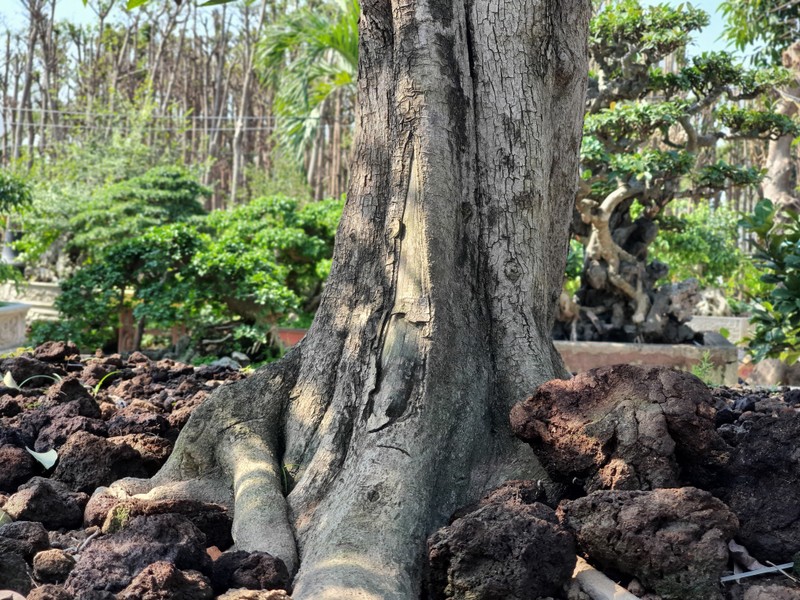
x=164, y=581
x=249, y=570
x=504, y=549
x=674, y=541
x=49, y=502
x=111, y=562
x=622, y=427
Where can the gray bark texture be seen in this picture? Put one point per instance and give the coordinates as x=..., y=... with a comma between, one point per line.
x=780, y=182
x=343, y=457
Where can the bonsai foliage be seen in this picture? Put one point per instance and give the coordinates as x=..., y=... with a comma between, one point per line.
x=770, y=26
x=777, y=318
x=650, y=136
x=15, y=196
x=240, y=270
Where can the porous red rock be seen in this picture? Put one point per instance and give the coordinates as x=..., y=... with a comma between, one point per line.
x=249, y=570
x=58, y=352
x=17, y=467
x=761, y=484
x=14, y=573
x=164, y=581
x=50, y=592
x=87, y=462
x=23, y=538
x=622, y=427
x=109, y=563
x=504, y=549
x=674, y=541
x=49, y=502
x=52, y=566
x=212, y=519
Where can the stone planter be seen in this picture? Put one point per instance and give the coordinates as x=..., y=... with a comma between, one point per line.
x=12, y=326
x=288, y=336
x=39, y=296
x=582, y=356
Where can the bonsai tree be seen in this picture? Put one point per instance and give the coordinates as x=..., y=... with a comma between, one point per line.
x=651, y=136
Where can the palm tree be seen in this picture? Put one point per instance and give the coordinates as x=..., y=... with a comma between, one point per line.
x=310, y=60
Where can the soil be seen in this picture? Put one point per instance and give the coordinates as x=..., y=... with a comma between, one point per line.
x=109, y=417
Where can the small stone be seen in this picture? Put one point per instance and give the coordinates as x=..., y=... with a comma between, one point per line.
x=56, y=352
x=164, y=581
x=23, y=538
x=14, y=573
x=245, y=594
x=251, y=570
x=111, y=562
x=50, y=592
x=49, y=502
x=52, y=566
x=227, y=363
x=241, y=358
x=18, y=467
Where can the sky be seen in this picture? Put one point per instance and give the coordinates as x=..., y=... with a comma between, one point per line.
x=12, y=13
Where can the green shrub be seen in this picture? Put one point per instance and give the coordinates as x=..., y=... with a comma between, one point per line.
x=776, y=318
x=242, y=270
x=699, y=242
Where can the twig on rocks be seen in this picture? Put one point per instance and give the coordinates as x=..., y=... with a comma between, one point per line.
x=597, y=585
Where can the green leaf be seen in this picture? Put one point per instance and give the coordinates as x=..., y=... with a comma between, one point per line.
x=5, y=518
x=724, y=333
x=135, y=4
x=47, y=459
x=215, y=2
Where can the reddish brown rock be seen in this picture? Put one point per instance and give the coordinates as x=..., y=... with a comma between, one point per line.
x=18, y=466
x=23, y=368
x=52, y=566
x=23, y=538
x=71, y=391
x=506, y=549
x=111, y=562
x=761, y=484
x=51, y=503
x=674, y=541
x=14, y=574
x=130, y=421
x=243, y=594
x=10, y=406
x=622, y=427
x=164, y=581
x=57, y=432
x=153, y=450
x=56, y=352
x=250, y=570
x=50, y=592
x=87, y=462
x=212, y=519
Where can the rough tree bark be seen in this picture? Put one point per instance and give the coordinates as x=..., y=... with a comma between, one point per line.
x=437, y=314
x=780, y=182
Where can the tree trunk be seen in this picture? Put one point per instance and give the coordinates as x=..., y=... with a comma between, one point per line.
x=780, y=182
x=436, y=317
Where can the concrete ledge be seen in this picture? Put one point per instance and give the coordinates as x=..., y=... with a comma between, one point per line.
x=39, y=296
x=12, y=326
x=738, y=327
x=582, y=356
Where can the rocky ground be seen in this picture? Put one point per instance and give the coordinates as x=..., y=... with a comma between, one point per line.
x=658, y=482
